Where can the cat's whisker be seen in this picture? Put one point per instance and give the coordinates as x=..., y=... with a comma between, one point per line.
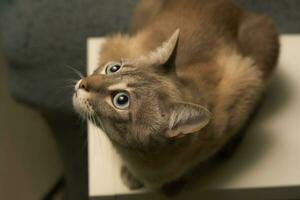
x=70, y=86
x=73, y=81
x=77, y=72
x=94, y=120
x=62, y=85
x=101, y=123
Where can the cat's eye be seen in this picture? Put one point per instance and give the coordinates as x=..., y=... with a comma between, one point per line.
x=121, y=100
x=112, y=68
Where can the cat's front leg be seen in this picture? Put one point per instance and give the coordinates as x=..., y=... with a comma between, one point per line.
x=129, y=180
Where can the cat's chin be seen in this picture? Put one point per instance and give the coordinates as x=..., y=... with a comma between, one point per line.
x=82, y=105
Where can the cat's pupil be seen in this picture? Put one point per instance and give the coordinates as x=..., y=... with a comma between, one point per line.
x=114, y=68
x=122, y=99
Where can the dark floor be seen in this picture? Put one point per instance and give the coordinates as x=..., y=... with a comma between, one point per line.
x=29, y=161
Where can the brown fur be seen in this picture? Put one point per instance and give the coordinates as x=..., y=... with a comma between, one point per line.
x=223, y=60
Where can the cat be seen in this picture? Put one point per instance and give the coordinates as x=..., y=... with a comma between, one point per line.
x=176, y=89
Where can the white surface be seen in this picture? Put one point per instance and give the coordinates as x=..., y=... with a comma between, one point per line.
x=104, y=163
x=267, y=157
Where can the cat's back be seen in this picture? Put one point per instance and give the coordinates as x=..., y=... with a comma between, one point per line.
x=203, y=24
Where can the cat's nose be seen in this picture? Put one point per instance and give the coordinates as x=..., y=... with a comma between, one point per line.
x=90, y=83
x=83, y=84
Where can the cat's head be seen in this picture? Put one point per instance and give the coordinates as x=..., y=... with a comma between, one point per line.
x=139, y=102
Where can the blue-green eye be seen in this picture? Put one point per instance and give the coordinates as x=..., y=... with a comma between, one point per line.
x=121, y=100
x=113, y=68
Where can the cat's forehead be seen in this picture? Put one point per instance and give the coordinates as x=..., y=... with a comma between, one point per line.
x=128, y=70
x=126, y=79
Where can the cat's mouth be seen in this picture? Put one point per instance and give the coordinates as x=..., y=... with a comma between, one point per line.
x=81, y=101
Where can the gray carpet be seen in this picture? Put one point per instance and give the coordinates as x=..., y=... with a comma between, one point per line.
x=42, y=38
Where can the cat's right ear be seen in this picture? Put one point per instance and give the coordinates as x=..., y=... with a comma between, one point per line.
x=186, y=118
x=163, y=56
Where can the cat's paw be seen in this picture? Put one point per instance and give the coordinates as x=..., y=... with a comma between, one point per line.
x=129, y=180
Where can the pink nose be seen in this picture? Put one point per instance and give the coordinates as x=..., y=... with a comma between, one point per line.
x=83, y=85
x=90, y=83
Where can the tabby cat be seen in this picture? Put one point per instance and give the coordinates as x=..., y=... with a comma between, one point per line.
x=171, y=93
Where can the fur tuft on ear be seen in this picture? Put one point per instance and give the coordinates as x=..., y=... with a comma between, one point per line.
x=186, y=118
x=160, y=55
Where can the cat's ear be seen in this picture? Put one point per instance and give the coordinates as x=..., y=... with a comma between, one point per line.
x=186, y=118
x=164, y=55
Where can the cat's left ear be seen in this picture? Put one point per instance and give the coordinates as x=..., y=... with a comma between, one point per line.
x=186, y=118
x=164, y=55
